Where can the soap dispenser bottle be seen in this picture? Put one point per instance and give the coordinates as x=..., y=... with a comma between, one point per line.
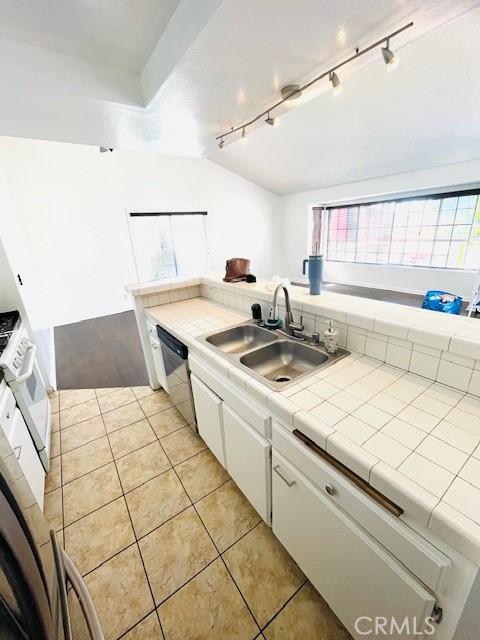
x=331, y=339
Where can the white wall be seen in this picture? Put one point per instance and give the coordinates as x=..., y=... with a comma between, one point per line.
x=296, y=241
x=71, y=201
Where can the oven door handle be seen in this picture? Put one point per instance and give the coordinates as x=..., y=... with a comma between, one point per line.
x=84, y=598
x=32, y=350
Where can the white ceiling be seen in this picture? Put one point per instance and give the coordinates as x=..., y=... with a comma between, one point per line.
x=120, y=33
x=216, y=63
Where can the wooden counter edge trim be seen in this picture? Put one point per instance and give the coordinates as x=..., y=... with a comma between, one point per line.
x=379, y=498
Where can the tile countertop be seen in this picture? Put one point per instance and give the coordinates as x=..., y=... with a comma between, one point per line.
x=416, y=441
x=458, y=335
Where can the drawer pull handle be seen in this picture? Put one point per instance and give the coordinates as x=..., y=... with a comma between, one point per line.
x=330, y=490
x=19, y=450
x=288, y=482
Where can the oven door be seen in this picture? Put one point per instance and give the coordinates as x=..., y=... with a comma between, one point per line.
x=31, y=395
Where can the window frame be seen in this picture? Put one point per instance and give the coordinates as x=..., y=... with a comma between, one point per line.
x=427, y=194
x=150, y=214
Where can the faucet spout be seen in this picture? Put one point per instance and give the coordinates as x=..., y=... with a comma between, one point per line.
x=288, y=310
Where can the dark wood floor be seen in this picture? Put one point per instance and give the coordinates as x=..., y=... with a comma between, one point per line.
x=101, y=352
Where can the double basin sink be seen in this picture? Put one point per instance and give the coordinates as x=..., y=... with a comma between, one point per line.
x=273, y=357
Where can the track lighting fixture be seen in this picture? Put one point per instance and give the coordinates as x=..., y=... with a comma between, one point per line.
x=387, y=53
x=292, y=91
x=105, y=149
x=335, y=80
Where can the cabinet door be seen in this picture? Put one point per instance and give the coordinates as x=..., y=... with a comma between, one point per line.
x=358, y=578
x=159, y=364
x=248, y=461
x=208, y=408
x=27, y=457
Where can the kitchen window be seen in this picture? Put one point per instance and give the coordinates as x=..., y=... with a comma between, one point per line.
x=439, y=231
x=168, y=244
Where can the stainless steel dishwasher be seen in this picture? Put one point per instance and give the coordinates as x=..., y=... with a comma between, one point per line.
x=175, y=360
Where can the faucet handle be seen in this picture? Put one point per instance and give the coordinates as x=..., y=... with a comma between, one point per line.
x=296, y=326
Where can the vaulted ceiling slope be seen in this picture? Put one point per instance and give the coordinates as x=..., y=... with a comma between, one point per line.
x=170, y=75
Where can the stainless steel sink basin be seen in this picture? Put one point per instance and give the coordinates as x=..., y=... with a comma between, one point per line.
x=242, y=338
x=284, y=360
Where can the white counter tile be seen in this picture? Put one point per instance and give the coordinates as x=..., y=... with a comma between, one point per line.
x=387, y=449
x=386, y=403
x=454, y=375
x=355, y=430
x=403, y=432
x=372, y=416
x=351, y=455
x=465, y=420
x=471, y=472
x=419, y=418
x=313, y=428
x=304, y=399
x=457, y=437
x=456, y=529
x=443, y=454
x=328, y=413
x=434, y=478
x=464, y=497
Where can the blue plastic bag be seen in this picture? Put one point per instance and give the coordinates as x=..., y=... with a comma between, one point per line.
x=442, y=301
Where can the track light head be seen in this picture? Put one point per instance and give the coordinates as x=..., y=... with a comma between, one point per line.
x=243, y=139
x=335, y=80
x=269, y=120
x=105, y=149
x=388, y=55
x=221, y=143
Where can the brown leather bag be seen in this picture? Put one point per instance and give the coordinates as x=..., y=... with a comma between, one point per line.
x=236, y=269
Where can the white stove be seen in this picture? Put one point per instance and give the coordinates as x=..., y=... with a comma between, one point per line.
x=21, y=373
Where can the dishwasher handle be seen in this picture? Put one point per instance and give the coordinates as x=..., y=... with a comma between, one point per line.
x=172, y=343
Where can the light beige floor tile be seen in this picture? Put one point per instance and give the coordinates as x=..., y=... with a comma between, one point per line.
x=306, y=617
x=227, y=514
x=104, y=390
x=80, y=461
x=142, y=392
x=123, y=416
x=120, y=592
x=167, y=421
x=73, y=397
x=147, y=629
x=99, y=536
x=130, y=438
x=52, y=508
x=155, y=502
x=54, y=404
x=85, y=494
x=142, y=465
x=54, y=476
x=182, y=444
x=79, y=413
x=82, y=433
x=264, y=572
x=55, y=447
x=55, y=422
x=209, y=606
x=155, y=402
x=175, y=552
x=201, y=474
x=116, y=399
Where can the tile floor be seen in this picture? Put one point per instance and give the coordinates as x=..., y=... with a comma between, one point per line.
x=167, y=544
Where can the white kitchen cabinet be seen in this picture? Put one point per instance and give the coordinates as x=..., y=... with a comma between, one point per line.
x=248, y=461
x=208, y=408
x=358, y=578
x=27, y=457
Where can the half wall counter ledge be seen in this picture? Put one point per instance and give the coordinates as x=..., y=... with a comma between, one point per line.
x=399, y=414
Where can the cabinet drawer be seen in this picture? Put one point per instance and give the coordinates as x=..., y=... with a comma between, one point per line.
x=243, y=405
x=422, y=558
x=355, y=575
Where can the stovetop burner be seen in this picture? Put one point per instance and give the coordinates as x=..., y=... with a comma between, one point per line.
x=7, y=324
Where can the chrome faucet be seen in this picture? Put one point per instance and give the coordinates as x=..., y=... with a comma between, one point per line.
x=290, y=326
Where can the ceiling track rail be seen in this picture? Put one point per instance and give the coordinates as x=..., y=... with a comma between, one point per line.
x=325, y=74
